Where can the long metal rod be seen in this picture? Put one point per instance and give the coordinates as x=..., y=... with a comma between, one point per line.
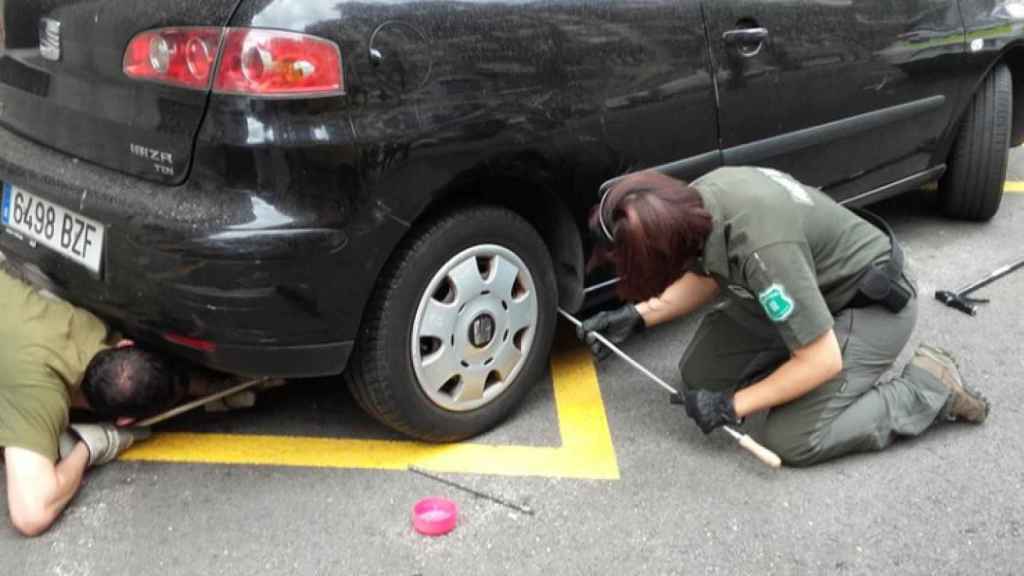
x=643, y=369
x=960, y=300
x=506, y=503
x=995, y=275
x=766, y=456
x=199, y=402
x=600, y=285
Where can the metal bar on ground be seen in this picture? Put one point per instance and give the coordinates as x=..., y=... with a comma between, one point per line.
x=518, y=507
x=763, y=454
x=959, y=299
x=995, y=275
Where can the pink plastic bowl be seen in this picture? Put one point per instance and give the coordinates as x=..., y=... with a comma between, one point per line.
x=434, y=516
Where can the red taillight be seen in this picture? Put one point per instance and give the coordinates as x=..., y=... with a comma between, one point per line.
x=252, y=62
x=199, y=57
x=270, y=62
x=193, y=343
x=180, y=56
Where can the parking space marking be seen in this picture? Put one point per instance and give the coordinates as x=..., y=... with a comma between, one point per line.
x=586, y=450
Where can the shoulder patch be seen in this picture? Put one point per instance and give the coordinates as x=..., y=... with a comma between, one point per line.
x=776, y=302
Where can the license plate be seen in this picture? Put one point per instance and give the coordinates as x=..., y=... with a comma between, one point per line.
x=38, y=220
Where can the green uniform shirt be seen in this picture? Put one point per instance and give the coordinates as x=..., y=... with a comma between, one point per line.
x=785, y=251
x=47, y=344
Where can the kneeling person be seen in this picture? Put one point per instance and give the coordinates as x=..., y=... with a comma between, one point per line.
x=818, y=305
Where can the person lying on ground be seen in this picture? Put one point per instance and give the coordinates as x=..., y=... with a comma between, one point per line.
x=56, y=357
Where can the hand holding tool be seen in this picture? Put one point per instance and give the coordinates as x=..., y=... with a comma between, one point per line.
x=710, y=409
x=616, y=325
x=106, y=441
x=763, y=454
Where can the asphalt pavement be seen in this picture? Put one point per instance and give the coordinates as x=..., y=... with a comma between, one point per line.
x=619, y=481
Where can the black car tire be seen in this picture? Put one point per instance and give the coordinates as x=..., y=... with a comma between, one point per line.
x=381, y=374
x=972, y=187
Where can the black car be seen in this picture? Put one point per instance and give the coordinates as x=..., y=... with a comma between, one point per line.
x=397, y=189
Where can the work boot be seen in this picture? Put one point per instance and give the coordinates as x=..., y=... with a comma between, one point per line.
x=964, y=404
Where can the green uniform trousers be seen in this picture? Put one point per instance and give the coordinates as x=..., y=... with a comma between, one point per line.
x=853, y=412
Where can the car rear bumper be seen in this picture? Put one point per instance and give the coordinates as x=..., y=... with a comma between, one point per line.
x=266, y=287
x=280, y=361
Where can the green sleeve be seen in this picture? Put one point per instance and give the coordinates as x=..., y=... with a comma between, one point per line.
x=782, y=278
x=33, y=411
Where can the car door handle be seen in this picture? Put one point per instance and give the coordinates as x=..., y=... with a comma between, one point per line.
x=745, y=36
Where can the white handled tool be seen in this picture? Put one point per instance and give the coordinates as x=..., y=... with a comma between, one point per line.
x=763, y=454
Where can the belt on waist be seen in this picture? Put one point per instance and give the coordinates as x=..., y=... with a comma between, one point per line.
x=881, y=282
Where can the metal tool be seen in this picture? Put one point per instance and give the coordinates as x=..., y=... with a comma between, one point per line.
x=506, y=503
x=959, y=299
x=763, y=454
x=200, y=402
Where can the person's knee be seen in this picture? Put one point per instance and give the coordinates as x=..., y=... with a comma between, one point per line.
x=30, y=518
x=794, y=448
x=693, y=366
x=797, y=455
x=800, y=457
x=691, y=369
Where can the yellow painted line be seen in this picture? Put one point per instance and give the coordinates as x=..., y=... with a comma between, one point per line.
x=1014, y=187
x=1011, y=186
x=586, y=450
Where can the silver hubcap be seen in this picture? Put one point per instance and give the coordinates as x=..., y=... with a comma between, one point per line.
x=474, y=327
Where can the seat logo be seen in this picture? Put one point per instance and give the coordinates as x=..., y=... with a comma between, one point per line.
x=49, y=39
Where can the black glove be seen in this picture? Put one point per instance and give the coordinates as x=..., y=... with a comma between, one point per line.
x=615, y=325
x=710, y=409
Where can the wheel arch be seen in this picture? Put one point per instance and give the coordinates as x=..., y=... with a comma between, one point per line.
x=524, y=184
x=1014, y=59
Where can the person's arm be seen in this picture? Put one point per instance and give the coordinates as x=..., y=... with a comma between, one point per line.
x=782, y=277
x=38, y=490
x=687, y=294
x=808, y=367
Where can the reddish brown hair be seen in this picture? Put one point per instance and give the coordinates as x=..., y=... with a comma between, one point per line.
x=658, y=226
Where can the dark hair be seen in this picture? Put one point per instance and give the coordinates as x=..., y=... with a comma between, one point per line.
x=130, y=382
x=658, y=226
